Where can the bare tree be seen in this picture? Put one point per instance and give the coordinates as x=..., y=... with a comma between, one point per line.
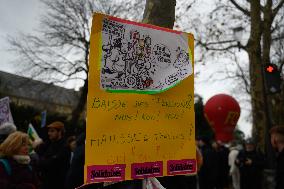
x=261, y=23
x=59, y=51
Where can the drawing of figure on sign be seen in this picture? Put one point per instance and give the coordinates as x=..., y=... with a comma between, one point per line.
x=114, y=57
x=139, y=50
x=139, y=58
x=182, y=63
x=138, y=61
x=113, y=51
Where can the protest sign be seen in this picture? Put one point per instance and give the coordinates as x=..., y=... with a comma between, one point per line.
x=5, y=112
x=140, y=108
x=43, y=118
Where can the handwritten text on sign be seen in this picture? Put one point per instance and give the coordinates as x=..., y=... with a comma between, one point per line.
x=132, y=136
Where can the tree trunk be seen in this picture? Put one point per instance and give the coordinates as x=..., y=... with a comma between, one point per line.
x=276, y=101
x=266, y=41
x=277, y=106
x=76, y=114
x=160, y=13
x=255, y=71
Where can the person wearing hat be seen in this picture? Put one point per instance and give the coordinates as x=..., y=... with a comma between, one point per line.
x=251, y=165
x=54, y=156
x=277, y=142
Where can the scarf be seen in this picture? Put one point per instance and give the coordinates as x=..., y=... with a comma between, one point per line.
x=22, y=159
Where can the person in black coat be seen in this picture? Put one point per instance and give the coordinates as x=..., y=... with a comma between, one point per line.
x=207, y=175
x=277, y=141
x=75, y=175
x=223, y=167
x=54, y=157
x=251, y=165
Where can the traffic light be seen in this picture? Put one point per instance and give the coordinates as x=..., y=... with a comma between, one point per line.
x=272, y=78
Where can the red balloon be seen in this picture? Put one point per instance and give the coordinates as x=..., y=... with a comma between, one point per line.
x=222, y=112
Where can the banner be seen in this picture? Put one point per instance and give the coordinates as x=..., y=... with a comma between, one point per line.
x=141, y=130
x=5, y=112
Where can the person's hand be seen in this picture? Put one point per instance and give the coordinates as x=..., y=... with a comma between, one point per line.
x=36, y=143
x=248, y=162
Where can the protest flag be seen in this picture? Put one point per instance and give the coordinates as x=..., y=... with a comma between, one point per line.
x=32, y=133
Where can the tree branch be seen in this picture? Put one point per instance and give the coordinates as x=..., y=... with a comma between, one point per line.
x=246, y=12
x=277, y=8
x=208, y=45
x=242, y=75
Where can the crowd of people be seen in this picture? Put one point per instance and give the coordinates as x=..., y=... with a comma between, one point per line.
x=58, y=163
x=237, y=167
x=240, y=166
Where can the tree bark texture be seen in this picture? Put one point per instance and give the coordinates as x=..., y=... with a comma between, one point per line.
x=76, y=114
x=255, y=71
x=266, y=108
x=160, y=13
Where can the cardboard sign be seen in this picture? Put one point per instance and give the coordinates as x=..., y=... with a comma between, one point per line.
x=5, y=113
x=135, y=136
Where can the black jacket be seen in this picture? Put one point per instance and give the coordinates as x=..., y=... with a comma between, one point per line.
x=223, y=167
x=21, y=176
x=54, y=164
x=75, y=175
x=251, y=176
x=208, y=172
x=280, y=171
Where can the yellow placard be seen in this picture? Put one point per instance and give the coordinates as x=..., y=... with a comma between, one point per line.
x=132, y=136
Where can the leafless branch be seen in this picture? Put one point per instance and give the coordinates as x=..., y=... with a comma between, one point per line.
x=211, y=45
x=245, y=11
x=61, y=47
x=277, y=8
x=242, y=75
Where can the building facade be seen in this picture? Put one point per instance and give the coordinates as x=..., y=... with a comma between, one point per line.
x=24, y=91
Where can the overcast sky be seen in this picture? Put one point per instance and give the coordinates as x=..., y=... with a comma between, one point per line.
x=15, y=16
x=23, y=15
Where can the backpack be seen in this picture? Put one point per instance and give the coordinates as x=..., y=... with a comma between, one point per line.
x=7, y=166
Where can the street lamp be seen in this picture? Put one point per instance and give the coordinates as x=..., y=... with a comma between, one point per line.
x=238, y=34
